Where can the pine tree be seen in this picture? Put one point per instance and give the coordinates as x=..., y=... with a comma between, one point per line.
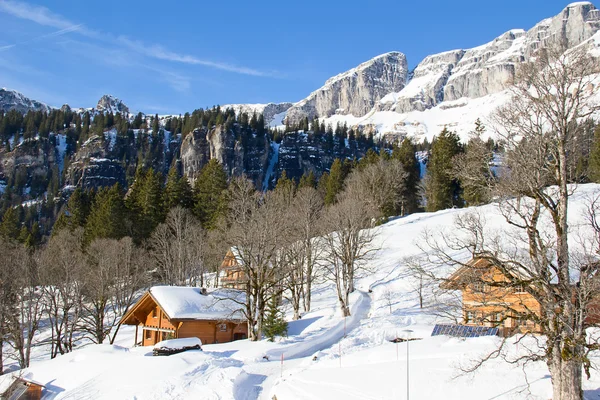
x=406, y=154
x=274, y=323
x=442, y=189
x=210, y=194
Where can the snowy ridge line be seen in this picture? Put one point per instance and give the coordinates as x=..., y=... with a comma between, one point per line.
x=359, y=310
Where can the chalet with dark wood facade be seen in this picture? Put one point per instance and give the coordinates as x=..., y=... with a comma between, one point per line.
x=172, y=312
x=231, y=273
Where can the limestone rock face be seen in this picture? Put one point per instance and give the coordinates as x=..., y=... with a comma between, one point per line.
x=426, y=86
x=356, y=91
x=92, y=166
x=491, y=68
x=237, y=157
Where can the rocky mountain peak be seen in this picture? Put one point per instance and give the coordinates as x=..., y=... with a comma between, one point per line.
x=355, y=91
x=11, y=99
x=108, y=103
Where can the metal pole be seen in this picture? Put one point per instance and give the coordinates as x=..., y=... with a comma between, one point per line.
x=408, y=331
x=407, y=368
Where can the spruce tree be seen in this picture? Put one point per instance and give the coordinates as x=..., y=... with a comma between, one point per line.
x=210, y=196
x=308, y=180
x=594, y=161
x=473, y=168
x=107, y=216
x=274, y=323
x=335, y=182
x=442, y=189
x=406, y=154
x=11, y=226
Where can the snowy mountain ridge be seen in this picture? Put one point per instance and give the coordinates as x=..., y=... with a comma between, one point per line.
x=448, y=89
x=13, y=100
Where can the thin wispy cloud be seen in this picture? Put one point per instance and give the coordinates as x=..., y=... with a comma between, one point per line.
x=43, y=16
x=159, y=52
x=47, y=35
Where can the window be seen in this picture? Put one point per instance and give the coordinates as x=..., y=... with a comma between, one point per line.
x=154, y=313
x=223, y=327
x=519, y=289
x=480, y=287
x=148, y=334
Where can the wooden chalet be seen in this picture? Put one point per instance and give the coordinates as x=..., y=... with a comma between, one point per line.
x=489, y=300
x=231, y=272
x=23, y=389
x=172, y=312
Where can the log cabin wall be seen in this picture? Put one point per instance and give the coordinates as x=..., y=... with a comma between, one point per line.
x=488, y=305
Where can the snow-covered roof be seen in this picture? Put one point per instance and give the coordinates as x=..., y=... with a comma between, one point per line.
x=180, y=302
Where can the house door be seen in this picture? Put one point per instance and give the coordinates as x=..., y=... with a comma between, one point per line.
x=239, y=336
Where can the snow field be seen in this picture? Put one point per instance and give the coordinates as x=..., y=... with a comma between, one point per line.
x=321, y=358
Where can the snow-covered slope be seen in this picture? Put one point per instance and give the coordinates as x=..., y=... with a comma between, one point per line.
x=325, y=356
x=13, y=100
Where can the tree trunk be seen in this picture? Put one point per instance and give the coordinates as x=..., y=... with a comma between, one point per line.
x=566, y=377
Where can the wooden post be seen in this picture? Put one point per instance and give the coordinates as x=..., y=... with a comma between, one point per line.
x=136, y=336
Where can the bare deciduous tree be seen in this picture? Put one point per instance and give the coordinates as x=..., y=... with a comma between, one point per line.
x=349, y=243
x=552, y=93
x=60, y=273
x=258, y=234
x=177, y=246
x=24, y=320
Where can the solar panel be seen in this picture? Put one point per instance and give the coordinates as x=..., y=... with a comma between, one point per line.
x=463, y=330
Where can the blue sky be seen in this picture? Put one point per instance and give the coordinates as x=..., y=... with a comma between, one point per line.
x=176, y=56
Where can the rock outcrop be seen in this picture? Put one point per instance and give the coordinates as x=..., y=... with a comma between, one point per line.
x=12, y=100
x=356, y=91
x=491, y=68
x=426, y=87
x=238, y=154
x=92, y=168
x=108, y=103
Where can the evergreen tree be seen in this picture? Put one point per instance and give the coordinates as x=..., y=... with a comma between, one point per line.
x=274, y=323
x=308, y=180
x=10, y=227
x=442, y=189
x=594, y=161
x=76, y=211
x=210, y=194
x=335, y=182
x=473, y=168
x=406, y=154
x=178, y=191
x=107, y=215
